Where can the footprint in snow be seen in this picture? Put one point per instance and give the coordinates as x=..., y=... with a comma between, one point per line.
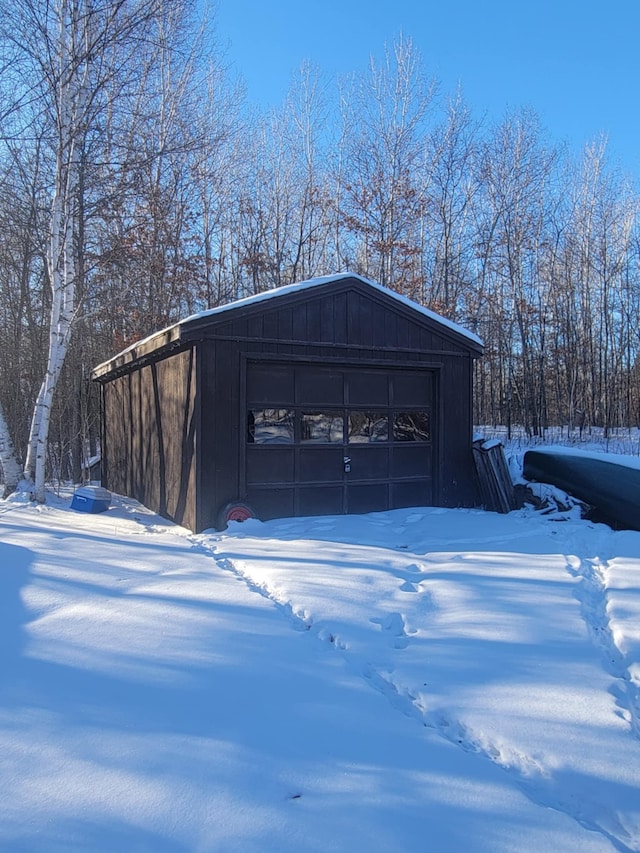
x=393, y=626
x=411, y=578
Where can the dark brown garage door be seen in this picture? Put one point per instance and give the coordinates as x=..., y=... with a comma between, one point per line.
x=336, y=440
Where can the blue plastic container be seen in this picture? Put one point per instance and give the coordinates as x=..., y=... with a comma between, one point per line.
x=91, y=499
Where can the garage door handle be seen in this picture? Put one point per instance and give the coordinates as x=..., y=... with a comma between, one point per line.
x=347, y=464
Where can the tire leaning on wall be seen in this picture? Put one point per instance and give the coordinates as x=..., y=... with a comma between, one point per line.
x=234, y=511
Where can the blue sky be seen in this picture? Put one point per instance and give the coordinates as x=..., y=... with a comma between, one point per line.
x=576, y=63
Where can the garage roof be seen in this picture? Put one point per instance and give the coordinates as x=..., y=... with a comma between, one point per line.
x=172, y=335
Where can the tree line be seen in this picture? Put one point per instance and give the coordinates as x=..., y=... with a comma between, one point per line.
x=138, y=186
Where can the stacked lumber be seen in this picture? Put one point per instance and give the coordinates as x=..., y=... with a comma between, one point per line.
x=496, y=487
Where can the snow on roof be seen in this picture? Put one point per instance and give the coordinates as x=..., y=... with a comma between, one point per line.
x=315, y=282
x=295, y=288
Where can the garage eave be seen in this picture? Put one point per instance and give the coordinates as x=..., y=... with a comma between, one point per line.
x=155, y=345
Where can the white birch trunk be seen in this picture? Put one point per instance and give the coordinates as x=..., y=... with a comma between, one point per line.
x=30, y=460
x=8, y=461
x=71, y=102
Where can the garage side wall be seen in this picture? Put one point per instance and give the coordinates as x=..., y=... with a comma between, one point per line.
x=457, y=481
x=149, y=436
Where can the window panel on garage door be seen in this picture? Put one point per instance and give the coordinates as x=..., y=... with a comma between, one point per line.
x=411, y=426
x=270, y=426
x=321, y=427
x=368, y=462
x=320, y=464
x=369, y=498
x=320, y=500
x=367, y=388
x=319, y=386
x=272, y=384
x=367, y=427
x=411, y=389
x=274, y=466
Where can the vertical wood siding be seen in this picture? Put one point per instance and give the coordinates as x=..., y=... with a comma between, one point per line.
x=150, y=436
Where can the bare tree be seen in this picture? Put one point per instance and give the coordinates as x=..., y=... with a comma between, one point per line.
x=217, y=172
x=283, y=225
x=450, y=184
x=516, y=170
x=385, y=115
x=599, y=270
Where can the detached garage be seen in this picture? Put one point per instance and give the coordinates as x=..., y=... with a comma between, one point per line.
x=330, y=396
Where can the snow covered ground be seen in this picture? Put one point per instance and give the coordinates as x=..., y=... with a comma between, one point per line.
x=417, y=680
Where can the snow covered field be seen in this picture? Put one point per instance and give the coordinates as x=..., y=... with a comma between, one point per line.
x=417, y=680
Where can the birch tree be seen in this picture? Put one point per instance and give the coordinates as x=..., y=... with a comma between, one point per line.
x=79, y=56
x=73, y=45
x=8, y=461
